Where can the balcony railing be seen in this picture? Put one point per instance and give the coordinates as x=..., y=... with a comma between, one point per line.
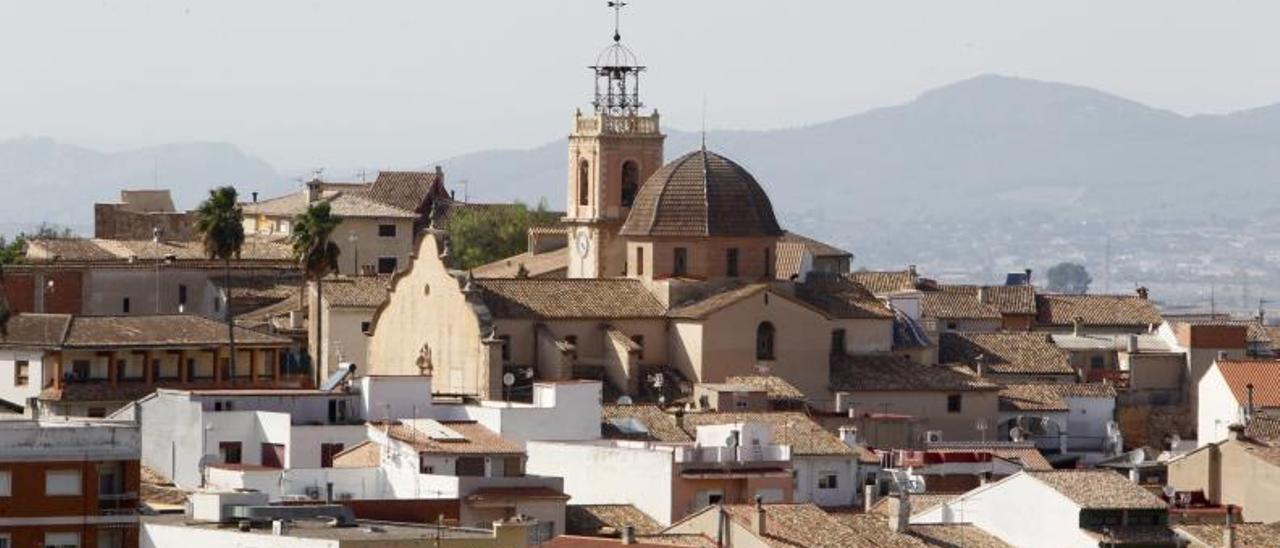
x=617, y=125
x=733, y=455
x=117, y=503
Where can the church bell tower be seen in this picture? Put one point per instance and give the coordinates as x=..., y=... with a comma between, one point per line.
x=612, y=151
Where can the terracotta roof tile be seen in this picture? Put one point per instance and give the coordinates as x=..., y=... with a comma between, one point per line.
x=801, y=525
x=356, y=292
x=1050, y=396
x=1263, y=429
x=408, y=190
x=701, y=194
x=947, y=305
x=568, y=299
x=658, y=424
x=1007, y=299
x=122, y=251
x=920, y=502
x=777, y=388
x=873, y=530
x=38, y=330
x=169, y=330
x=842, y=298
x=1248, y=535
x=475, y=439
x=1099, y=490
x=805, y=436
x=655, y=541
x=547, y=264
x=883, y=283
x=1006, y=352
x=1097, y=310
x=1264, y=375
x=955, y=535
x=365, y=454
x=792, y=248
x=607, y=520
x=710, y=304
x=892, y=373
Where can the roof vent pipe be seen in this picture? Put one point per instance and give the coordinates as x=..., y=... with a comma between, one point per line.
x=1132, y=346
x=629, y=534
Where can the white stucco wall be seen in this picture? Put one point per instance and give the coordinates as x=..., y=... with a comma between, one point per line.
x=36, y=375
x=596, y=474
x=154, y=535
x=807, y=469
x=1001, y=509
x=559, y=412
x=1218, y=408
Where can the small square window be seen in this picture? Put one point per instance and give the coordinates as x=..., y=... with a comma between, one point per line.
x=387, y=265
x=124, y=305
x=365, y=327
x=6, y=484
x=680, y=261
x=62, y=540
x=828, y=480
x=953, y=403
x=387, y=231
x=21, y=372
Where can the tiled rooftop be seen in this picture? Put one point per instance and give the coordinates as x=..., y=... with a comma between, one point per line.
x=947, y=305
x=1006, y=299
x=701, y=194
x=884, y=282
x=892, y=373
x=1050, y=396
x=548, y=264
x=546, y=299
x=1264, y=375
x=1128, y=311
x=777, y=388
x=1248, y=535
x=1100, y=490
x=607, y=520
x=841, y=298
x=805, y=436
x=476, y=439
x=356, y=291
x=658, y=425
x=1010, y=353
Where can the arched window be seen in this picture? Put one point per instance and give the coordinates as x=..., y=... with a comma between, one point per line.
x=630, y=182
x=764, y=341
x=584, y=183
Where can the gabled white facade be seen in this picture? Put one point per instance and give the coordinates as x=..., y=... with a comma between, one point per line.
x=1019, y=510
x=1218, y=408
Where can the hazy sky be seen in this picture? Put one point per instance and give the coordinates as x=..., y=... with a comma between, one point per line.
x=398, y=83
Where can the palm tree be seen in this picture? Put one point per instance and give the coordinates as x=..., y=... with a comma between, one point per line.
x=317, y=255
x=220, y=223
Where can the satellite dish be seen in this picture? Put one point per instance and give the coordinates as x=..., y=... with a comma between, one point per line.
x=1174, y=441
x=731, y=440
x=508, y=379
x=1168, y=491
x=1015, y=434
x=1137, y=457
x=624, y=400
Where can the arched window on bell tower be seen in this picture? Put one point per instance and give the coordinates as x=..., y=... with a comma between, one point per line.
x=630, y=182
x=584, y=183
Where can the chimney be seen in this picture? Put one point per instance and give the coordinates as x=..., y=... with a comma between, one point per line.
x=1132, y=344
x=439, y=174
x=1075, y=325
x=313, y=191
x=1234, y=431
x=902, y=518
x=980, y=363
x=328, y=493
x=1222, y=355
x=758, y=519
x=1028, y=271
x=849, y=435
x=1229, y=532
x=1142, y=292
x=155, y=234
x=679, y=415
x=911, y=271
x=629, y=534
x=1248, y=405
x=255, y=196
x=982, y=293
x=868, y=497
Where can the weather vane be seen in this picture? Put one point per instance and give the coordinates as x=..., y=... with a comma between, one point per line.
x=617, y=6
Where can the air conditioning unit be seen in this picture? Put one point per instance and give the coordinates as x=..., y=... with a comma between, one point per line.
x=933, y=436
x=346, y=496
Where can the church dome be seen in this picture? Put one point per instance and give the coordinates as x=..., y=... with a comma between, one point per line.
x=701, y=194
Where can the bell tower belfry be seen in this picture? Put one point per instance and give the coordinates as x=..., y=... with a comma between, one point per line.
x=612, y=151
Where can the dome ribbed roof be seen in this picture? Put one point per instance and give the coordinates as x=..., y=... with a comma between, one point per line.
x=701, y=194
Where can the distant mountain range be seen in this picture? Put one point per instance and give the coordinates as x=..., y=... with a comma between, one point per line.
x=983, y=146
x=47, y=181
x=989, y=146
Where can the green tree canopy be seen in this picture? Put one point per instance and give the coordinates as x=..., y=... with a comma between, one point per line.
x=483, y=234
x=1071, y=278
x=317, y=255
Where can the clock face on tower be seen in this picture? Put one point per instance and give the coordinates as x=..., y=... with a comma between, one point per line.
x=583, y=243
